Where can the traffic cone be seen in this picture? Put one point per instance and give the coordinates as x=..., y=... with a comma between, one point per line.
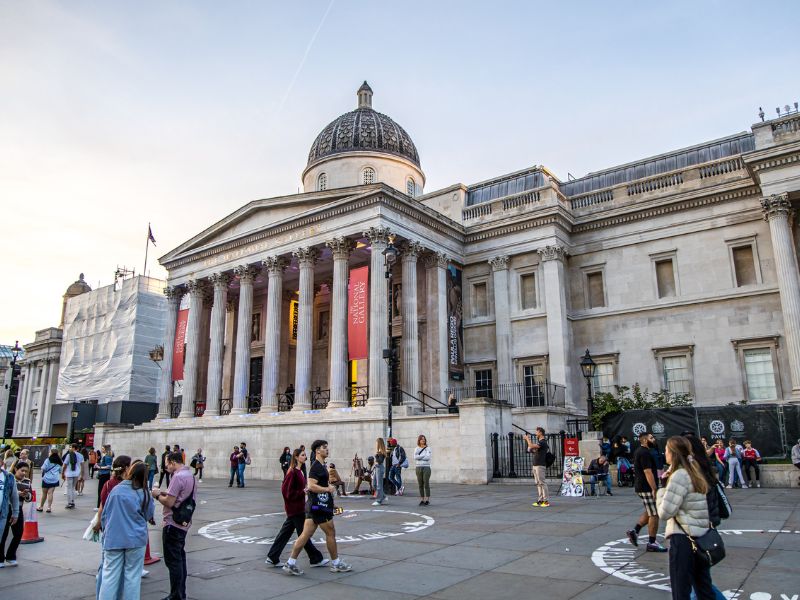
x=30, y=532
x=148, y=558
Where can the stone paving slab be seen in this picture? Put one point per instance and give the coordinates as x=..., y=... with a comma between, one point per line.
x=472, y=542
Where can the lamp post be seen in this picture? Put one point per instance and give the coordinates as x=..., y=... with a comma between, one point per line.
x=389, y=354
x=13, y=388
x=589, y=368
x=73, y=416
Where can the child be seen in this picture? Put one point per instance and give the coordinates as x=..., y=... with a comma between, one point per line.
x=605, y=447
x=750, y=459
x=336, y=481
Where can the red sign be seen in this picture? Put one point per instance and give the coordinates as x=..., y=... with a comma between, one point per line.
x=178, y=350
x=89, y=440
x=571, y=447
x=358, y=314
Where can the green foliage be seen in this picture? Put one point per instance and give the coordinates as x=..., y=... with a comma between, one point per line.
x=632, y=398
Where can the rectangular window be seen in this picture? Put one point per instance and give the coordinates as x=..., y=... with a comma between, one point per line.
x=760, y=374
x=603, y=380
x=594, y=287
x=533, y=382
x=483, y=383
x=676, y=374
x=480, y=304
x=40, y=376
x=665, y=278
x=527, y=284
x=744, y=265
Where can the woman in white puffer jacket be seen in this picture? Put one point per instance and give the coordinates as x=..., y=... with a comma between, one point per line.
x=683, y=501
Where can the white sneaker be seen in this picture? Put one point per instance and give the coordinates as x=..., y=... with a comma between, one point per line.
x=341, y=567
x=292, y=569
x=199, y=481
x=758, y=484
x=745, y=486
x=145, y=572
x=11, y=563
x=323, y=563
x=727, y=487
x=272, y=564
x=376, y=503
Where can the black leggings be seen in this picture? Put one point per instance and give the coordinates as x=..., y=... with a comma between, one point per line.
x=747, y=464
x=101, y=481
x=16, y=536
x=685, y=572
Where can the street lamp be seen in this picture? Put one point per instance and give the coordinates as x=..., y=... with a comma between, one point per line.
x=73, y=416
x=13, y=388
x=389, y=258
x=589, y=368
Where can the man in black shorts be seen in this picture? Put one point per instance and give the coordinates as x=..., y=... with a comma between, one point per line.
x=646, y=485
x=319, y=512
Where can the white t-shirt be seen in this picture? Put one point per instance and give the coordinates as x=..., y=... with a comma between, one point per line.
x=73, y=472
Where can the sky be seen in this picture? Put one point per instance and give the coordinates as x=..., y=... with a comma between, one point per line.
x=116, y=114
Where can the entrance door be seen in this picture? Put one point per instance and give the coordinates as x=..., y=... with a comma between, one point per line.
x=256, y=374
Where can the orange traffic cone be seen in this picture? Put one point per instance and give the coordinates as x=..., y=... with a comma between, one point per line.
x=30, y=532
x=148, y=558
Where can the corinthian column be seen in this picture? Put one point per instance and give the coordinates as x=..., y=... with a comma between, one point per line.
x=196, y=296
x=378, y=318
x=411, y=373
x=241, y=374
x=341, y=248
x=778, y=212
x=165, y=390
x=274, y=266
x=215, y=353
x=306, y=258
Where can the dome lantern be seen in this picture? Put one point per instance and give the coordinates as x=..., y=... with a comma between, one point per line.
x=364, y=96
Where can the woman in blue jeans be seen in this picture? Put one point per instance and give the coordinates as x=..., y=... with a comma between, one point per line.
x=125, y=516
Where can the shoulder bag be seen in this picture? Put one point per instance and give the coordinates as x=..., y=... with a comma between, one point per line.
x=708, y=548
x=182, y=515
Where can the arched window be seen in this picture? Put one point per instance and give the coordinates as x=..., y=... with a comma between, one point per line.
x=368, y=176
x=322, y=182
x=411, y=187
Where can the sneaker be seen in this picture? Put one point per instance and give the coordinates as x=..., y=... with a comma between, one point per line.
x=422, y=502
x=758, y=484
x=145, y=572
x=745, y=486
x=727, y=487
x=376, y=503
x=2, y=565
x=536, y=504
x=342, y=567
x=633, y=537
x=655, y=548
x=427, y=502
x=11, y=563
x=292, y=569
x=274, y=564
x=199, y=481
x=402, y=490
x=323, y=563
x=609, y=492
x=544, y=504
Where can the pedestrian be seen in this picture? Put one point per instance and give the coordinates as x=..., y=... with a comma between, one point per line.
x=125, y=515
x=11, y=517
x=422, y=466
x=365, y=474
x=181, y=490
x=646, y=486
x=285, y=460
x=164, y=471
x=796, y=456
x=197, y=464
x=336, y=480
x=304, y=469
x=598, y=471
x=289, y=393
x=71, y=473
x=750, y=460
x=119, y=467
x=719, y=459
x=104, y=466
x=605, y=447
x=733, y=456
x=683, y=505
x=84, y=472
x=379, y=472
x=92, y=462
x=20, y=472
x=151, y=460
x=452, y=404
x=8, y=459
x=539, y=450
x=244, y=460
x=294, y=502
x=398, y=461
x=51, y=471
x=234, y=461
x=319, y=513
x=620, y=455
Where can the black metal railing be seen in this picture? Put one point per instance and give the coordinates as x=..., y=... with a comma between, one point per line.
x=359, y=395
x=225, y=406
x=577, y=427
x=518, y=395
x=320, y=399
x=285, y=402
x=510, y=456
x=175, y=409
x=254, y=404
x=428, y=402
x=199, y=408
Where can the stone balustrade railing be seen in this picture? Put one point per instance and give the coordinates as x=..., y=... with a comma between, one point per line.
x=786, y=126
x=654, y=184
x=521, y=200
x=722, y=167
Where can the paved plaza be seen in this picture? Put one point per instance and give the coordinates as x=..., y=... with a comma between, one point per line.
x=471, y=542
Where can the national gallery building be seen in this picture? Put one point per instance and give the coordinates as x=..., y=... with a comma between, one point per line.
x=678, y=272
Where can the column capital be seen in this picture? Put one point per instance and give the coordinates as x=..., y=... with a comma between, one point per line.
x=379, y=236
x=341, y=247
x=776, y=205
x=306, y=256
x=552, y=252
x=411, y=251
x=173, y=293
x=196, y=287
x=219, y=280
x=436, y=259
x=245, y=273
x=274, y=265
x=499, y=263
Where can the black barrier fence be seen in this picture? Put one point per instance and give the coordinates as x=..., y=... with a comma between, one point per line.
x=772, y=428
x=510, y=457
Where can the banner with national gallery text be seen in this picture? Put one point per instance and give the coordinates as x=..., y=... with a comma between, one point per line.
x=358, y=314
x=178, y=351
x=455, y=329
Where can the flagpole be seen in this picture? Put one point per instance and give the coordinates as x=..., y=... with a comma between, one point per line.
x=146, y=248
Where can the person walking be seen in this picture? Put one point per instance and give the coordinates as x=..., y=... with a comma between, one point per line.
x=104, y=466
x=119, y=467
x=164, y=470
x=683, y=505
x=92, y=462
x=151, y=461
x=319, y=513
x=733, y=456
x=244, y=460
x=15, y=522
x=181, y=488
x=10, y=505
x=598, y=471
x=125, y=515
x=399, y=462
x=285, y=460
x=234, y=461
x=71, y=473
x=51, y=472
x=422, y=467
x=84, y=472
x=197, y=464
x=750, y=462
x=9, y=459
x=539, y=450
x=294, y=501
x=796, y=456
x=379, y=472
x=646, y=486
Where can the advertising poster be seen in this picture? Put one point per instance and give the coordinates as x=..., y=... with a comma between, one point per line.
x=358, y=314
x=572, y=479
x=455, y=330
x=179, y=350
x=294, y=312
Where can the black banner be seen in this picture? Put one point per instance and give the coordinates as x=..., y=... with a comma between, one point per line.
x=662, y=423
x=455, y=329
x=758, y=424
x=791, y=416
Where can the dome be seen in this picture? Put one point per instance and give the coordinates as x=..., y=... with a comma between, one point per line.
x=78, y=288
x=363, y=130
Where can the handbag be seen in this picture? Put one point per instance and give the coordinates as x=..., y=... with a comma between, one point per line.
x=182, y=515
x=708, y=548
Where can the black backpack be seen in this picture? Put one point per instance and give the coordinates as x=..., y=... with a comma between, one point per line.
x=182, y=515
x=549, y=458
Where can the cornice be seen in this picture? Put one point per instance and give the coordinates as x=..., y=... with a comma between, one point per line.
x=772, y=157
x=555, y=216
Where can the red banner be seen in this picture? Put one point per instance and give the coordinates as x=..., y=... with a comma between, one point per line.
x=180, y=345
x=358, y=314
x=571, y=447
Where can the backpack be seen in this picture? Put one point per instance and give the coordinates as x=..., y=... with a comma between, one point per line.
x=549, y=458
x=182, y=515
